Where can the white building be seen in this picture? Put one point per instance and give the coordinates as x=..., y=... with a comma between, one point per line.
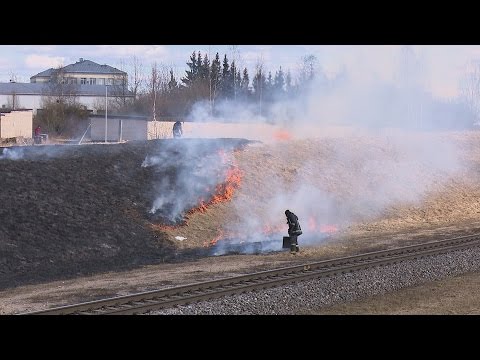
x=86, y=82
x=83, y=72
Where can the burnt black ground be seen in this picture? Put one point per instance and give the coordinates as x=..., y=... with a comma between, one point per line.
x=67, y=211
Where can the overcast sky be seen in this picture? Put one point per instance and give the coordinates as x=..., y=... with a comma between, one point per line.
x=443, y=65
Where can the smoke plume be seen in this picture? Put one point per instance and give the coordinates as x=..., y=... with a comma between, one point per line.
x=360, y=147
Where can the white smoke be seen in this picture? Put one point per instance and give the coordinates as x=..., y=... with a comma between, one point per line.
x=36, y=152
x=388, y=150
x=12, y=154
x=185, y=178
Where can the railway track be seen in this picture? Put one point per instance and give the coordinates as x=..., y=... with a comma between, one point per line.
x=180, y=295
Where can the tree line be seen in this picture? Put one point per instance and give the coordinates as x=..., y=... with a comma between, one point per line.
x=160, y=92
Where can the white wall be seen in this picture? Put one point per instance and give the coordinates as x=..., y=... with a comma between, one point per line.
x=15, y=124
x=35, y=101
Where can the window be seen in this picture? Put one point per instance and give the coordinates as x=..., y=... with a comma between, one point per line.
x=72, y=80
x=109, y=81
x=100, y=81
x=93, y=81
x=83, y=81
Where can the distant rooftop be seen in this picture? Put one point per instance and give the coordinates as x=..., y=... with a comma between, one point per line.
x=84, y=66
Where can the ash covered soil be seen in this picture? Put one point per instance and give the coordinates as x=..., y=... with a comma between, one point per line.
x=75, y=222
x=79, y=210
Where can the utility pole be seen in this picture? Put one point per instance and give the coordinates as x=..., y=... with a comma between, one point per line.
x=106, y=109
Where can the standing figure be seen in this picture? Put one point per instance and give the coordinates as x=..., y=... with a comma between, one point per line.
x=294, y=230
x=177, y=129
x=37, y=135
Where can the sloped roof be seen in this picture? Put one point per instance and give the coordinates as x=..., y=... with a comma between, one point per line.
x=44, y=88
x=46, y=73
x=86, y=67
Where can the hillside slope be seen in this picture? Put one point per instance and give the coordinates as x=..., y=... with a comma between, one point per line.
x=69, y=211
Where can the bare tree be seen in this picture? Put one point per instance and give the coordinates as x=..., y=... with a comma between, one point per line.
x=470, y=89
x=61, y=112
x=308, y=68
x=59, y=89
x=259, y=81
x=234, y=61
x=13, y=77
x=154, y=87
x=412, y=82
x=12, y=101
x=157, y=85
x=136, y=77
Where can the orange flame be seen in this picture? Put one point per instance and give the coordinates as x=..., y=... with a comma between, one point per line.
x=328, y=228
x=271, y=229
x=282, y=135
x=220, y=234
x=314, y=227
x=223, y=192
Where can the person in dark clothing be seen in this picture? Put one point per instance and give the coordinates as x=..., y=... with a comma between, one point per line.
x=177, y=129
x=294, y=230
x=37, y=135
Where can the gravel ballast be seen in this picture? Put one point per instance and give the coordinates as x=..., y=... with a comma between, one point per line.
x=313, y=294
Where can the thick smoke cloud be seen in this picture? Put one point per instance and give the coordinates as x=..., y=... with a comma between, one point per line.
x=193, y=172
x=393, y=154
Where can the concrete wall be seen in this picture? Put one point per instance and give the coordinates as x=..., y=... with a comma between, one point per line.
x=118, y=129
x=148, y=130
x=252, y=131
x=134, y=129
x=159, y=130
x=16, y=123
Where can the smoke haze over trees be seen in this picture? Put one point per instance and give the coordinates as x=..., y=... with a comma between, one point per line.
x=216, y=86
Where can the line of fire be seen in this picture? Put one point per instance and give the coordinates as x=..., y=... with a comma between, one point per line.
x=269, y=237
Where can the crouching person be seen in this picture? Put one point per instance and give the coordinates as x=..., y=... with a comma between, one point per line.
x=294, y=230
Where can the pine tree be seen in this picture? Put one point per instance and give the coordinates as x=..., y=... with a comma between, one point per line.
x=226, y=84
x=199, y=66
x=238, y=81
x=259, y=86
x=232, y=79
x=279, y=83
x=244, y=85
x=172, y=84
x=215, y=76
x=205, y=69
x=288, y=84
x=191, y=75
x=269, y=87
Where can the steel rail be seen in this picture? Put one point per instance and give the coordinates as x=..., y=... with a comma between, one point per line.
x=158, y=299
